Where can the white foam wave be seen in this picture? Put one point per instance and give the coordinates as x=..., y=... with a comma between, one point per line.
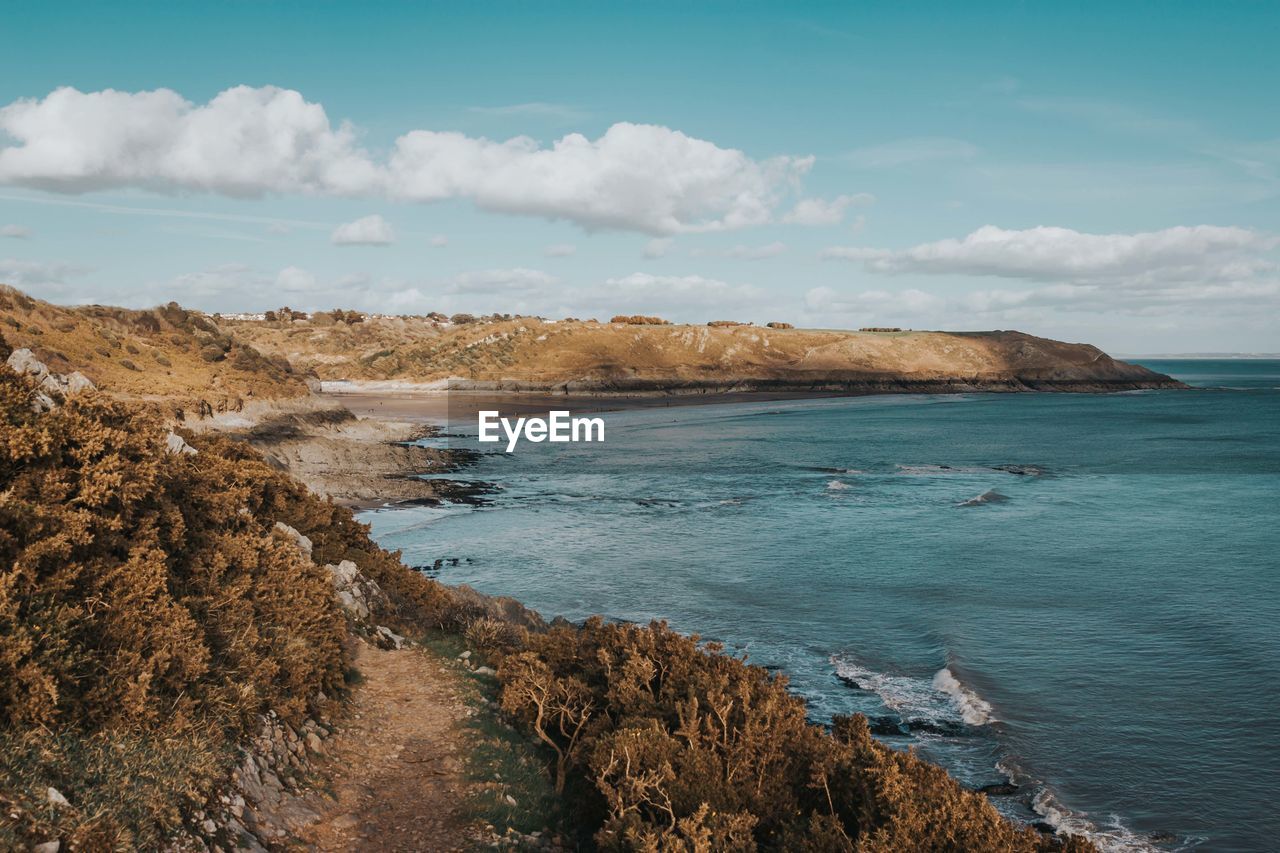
x=974, y=710
x=1110, y=837
x=837, y=485
x=940, y=698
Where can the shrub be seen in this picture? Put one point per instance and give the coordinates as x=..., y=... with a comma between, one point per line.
x=462, y=319
x=147, y=617
x=777, y=325
x=661, y=744
x=640, y=320
x=727, y=323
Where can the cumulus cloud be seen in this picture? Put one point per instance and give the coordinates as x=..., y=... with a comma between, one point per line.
x=250, y=141
x=20, y=273
x=18, y=232
x=560, y=250
x=516, y=280
x=817, y=211
x=365, y=231
x=657, y=247
x=1186, y=277
x=1196, y=253
x=641, y=289
x=295, y=280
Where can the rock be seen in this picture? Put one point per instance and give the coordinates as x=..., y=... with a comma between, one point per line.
x=484, y=670
x=54, y=796
x=25, y=362
x=76, y=382
x=47, y=847
x=210, y=828
x=357, y=594
x=42, y=402
x=177, y=445
x=346, y=821
x=388, y=639
x=465, y=655
x=314, y=743
x=511, y=801
x=302, y=543
x=999, y=789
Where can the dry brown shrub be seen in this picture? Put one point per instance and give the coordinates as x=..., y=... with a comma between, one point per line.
x=148, y=616
x=662, y=744
x=640, y=320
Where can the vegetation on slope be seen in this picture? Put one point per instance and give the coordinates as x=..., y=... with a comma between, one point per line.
x=168, y=353
x=148, y=615
x=663, y=744
x=633, y=353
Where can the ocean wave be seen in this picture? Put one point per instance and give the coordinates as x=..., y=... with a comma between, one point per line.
x=991, y=496
x=837, y=485
x=974, y=710
x=1110, y=837
x=941, y=699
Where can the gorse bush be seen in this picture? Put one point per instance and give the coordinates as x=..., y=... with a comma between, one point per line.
x=148, y=615
x=663, y=745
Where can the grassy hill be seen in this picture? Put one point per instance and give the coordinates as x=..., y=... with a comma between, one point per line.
x=167, y=354
x=534, y=354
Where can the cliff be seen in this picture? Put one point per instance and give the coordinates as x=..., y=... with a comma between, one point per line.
x=528, y=354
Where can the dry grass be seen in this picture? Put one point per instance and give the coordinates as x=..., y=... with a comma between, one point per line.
x=167, y=354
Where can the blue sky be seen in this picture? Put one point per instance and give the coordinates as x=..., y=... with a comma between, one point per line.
x=1099, y=172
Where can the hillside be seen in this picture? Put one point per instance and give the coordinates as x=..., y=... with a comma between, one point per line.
x=165, y=354
x=178, y=627
x=590, y=357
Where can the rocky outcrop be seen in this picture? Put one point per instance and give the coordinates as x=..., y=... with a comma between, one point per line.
x=359, y=595
x=302, y=543
x=51, y=387
x=263, y=804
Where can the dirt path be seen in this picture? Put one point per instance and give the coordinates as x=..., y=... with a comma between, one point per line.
x=396, y=764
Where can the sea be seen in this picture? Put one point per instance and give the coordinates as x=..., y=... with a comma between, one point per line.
x=1073, y=596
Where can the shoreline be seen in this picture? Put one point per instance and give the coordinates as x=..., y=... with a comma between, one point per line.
x=1050, y=817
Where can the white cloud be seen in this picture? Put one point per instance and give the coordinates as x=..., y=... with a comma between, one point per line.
x=1195, y=253
x=295, y=280
x=365, y=231
x=560, y=250
x=904, y=152
x=251, y=141
x=1195, y=277
x=21, y=273
x=657, y=247
x=18, y=232
x=493, y=281
x=664, y=292
x=817, y=211
x=439, y=241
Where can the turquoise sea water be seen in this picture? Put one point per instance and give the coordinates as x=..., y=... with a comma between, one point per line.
x=1103, y=627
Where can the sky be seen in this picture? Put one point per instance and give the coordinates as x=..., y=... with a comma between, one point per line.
x=1100, y=172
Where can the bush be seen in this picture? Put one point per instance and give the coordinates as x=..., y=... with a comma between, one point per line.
x=640, y=320
x=663, y=745
x=148, y=616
